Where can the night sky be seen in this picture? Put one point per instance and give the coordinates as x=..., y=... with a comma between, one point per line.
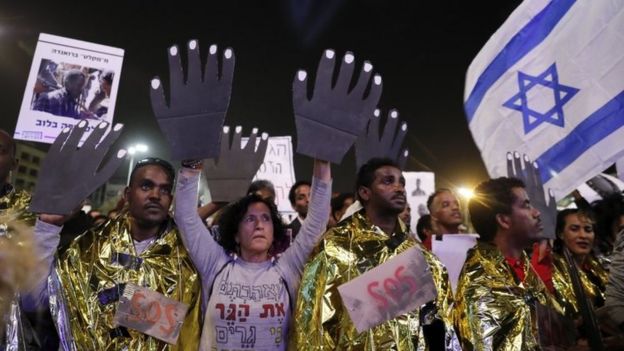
x=421, y=48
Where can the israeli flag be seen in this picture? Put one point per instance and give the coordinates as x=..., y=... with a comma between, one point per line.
x=550, y=83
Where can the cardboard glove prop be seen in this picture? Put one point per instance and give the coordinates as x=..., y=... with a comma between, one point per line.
x=193, y=119
x=230, y=176
x=369, y=145
x=530, y=175
x=334, y=114
x=69, y=174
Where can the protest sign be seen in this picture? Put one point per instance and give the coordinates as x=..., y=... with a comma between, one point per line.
x=451, y=249
x=400, y=285
x=418, y=187
x=150, y=313
x=69, y=81
x=278, y=167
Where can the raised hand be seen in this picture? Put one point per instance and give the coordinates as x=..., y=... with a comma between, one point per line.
x=530, y=175
x=230, y=176
x=69, y=174
x=328, y=124
x=193, y=119
x=369, y=144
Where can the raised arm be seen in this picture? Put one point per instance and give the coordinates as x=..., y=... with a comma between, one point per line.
x=58, y=193
x=340, y=115
x=203, y=250
x=47, y=238
x=315, y=223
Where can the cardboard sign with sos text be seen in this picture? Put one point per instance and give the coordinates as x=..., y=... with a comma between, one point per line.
x=150, y=313
x=401, y=285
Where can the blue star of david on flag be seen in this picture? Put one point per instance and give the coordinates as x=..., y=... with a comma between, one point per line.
x=531, y=117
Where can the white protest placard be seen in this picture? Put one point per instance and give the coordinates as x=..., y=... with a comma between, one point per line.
x=451, y=249
x=150, y=313
x=278, y=167
x=400, y=285
x=69, y=81
x=418, y=187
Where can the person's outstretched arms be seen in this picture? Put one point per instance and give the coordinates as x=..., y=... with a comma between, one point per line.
x=330, y=112
x=68, y=175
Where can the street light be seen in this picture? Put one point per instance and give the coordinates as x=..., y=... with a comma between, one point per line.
x=133, y=150
x=466, y=194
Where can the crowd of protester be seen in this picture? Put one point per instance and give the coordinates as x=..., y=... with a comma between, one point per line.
x=249, y=280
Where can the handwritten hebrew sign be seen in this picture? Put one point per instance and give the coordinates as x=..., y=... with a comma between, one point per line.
x=278, y=167
x=402, y=284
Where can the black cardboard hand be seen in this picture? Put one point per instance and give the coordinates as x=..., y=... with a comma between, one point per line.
x=530, y=175
x=328, y=124
x=193, y=119
x=369, y=144
x=229, y=177
x=68, y=174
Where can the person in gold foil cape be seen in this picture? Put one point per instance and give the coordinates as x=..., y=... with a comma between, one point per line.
x=498, y=290
x=17, y=333
x=141, y=246
x=367, y=239
x=575, y=231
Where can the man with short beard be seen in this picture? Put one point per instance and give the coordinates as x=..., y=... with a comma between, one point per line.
x=446, y=216
x=141, y=246
x=497, y=290
x=365, y=240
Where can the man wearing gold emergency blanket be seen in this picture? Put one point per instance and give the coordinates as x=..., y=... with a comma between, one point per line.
x=367, y=239
x=141, y=247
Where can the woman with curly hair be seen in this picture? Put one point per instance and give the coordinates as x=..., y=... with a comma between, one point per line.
x=248, y=291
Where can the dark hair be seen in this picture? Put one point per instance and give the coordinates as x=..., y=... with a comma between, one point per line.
x=492, y=197
x=108, y=76
x=293, y=189
x=72, y=75
x=154, y=161
x=434, y=195
x=233, y=214
x=561, y=222
x=423, y=223
x=338, y=202
x=608, y=210
x=366, y=173
x=11, y=143
x=260, y=184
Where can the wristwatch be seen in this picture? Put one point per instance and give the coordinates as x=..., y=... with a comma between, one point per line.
x=192, y=164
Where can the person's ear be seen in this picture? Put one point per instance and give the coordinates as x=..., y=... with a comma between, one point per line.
x=503, y=221
x=364, y=193
x=126, y=194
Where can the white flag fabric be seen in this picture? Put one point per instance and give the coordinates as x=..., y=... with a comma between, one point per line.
x=550, y=84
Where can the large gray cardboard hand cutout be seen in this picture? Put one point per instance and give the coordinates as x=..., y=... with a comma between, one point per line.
x=69, y=174
x=193, y=119
x=369, y=144
x=530, y=175
x=230, y=176
x=334, y=115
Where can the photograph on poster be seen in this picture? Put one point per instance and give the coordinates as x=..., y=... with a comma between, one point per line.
x=71, y=90
x=69, y=81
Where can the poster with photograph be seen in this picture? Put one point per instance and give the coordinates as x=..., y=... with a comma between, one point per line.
x=418, y=187
x=69, y=81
